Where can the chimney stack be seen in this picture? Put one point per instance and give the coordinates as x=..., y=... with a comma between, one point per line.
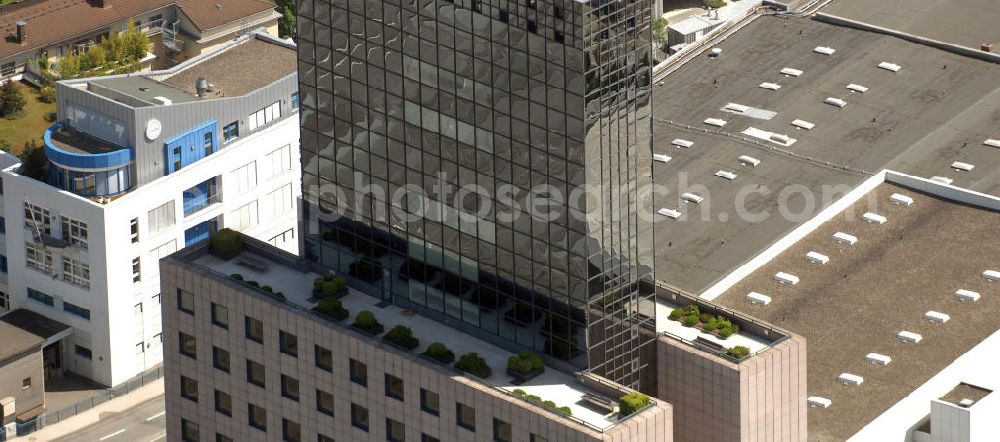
x=102, y=3
x=22, y=31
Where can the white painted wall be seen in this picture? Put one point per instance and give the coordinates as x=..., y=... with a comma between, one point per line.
x=117, y=325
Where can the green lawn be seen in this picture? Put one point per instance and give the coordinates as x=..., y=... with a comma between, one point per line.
x=29, y=127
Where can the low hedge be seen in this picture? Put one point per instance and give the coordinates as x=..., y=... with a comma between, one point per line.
x=365, y=320
x=738, y=352
x=440, y=352
x=524, y=362
x=566, y=411
x=332, y=307
x=226, y=243
x=632, y=402
x=402, y=336
x=474, y=364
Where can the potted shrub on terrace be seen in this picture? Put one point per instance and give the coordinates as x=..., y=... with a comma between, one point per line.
x=475, y=365
x=739, y=352
x=332, y=308
x=366, y=322
x=330, y=285
x=524, y=366
x=226, y=243
x=632, y=402
x=440, y=353
x=402, y=336
x=366, y=269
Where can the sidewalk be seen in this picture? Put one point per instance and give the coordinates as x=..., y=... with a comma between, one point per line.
x=93, y=415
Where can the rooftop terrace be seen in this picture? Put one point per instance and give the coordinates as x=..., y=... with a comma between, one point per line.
x=754, y=334
x=554, y=385
x=231, y=71
x=867, y=293
x=70, y=140
x=919, y=120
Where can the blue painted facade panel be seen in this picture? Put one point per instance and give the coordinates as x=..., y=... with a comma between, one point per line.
x=184, y=150
x=198, y=233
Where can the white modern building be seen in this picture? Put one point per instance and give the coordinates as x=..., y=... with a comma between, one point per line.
x=139, y=166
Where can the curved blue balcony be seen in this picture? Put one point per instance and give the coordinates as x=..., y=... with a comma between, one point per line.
x=86, y=165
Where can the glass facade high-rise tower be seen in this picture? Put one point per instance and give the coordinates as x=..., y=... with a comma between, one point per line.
x=488, y=162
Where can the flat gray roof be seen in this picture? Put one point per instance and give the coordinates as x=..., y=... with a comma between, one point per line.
x=867, y=293
x=233, y=71
x=143, y=88
x=23, y=329
x=240, y=69
x=966, y=22
x=925, y=118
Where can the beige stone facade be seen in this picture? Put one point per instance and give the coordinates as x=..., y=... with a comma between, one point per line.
x=527, y=422
x=762, y=398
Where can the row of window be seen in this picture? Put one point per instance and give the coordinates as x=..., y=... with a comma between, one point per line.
x=73, y=231
x=74, y=271
x=50, y=301
x=430, y=402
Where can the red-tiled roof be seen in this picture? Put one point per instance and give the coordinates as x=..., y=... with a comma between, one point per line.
x=207, y=14
x=53, y=21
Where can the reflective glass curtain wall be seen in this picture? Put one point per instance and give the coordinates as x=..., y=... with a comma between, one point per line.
x=521, y=99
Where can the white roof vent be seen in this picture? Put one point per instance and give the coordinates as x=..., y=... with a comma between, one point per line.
x=966, y=295
x=817, y=258
x=791, y=72
x=910, y=337
x=692, y=198
x=901, y=199
x=938, y=317
x=803, y=124
x=758, y=298
x=780, y=138
x=818, y=402
x=774, y=87
x=659, y=157
x=962, y=166
x=844, y=238
x=715, y=122
x=991, y=142
x=824, y=50
x=738, y=108
x=726, y=174
x=835, y=102
x=163, y=100
x=748, y=160
x=878, y=359
x=850, y=379
x=857, y=88
x=669, y=213
x=966, y=402
x=874, y=218
x=889, y=66
x=680, y=142
x=942, y=179
x=786, y=278
x=991, y=275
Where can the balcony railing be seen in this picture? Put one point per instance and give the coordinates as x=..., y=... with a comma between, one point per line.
x=200, y=202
